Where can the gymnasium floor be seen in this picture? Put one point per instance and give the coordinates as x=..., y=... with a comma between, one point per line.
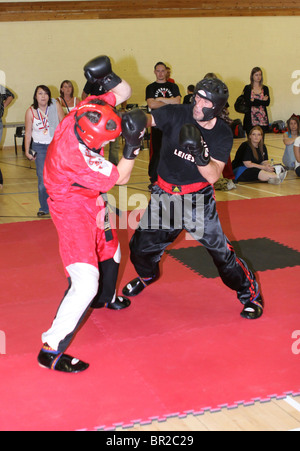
x=19, y=195
x=18, y=202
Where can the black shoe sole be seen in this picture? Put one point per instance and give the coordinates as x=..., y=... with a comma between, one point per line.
x=251, y=311
x=119, y=304
x=61, y=362
x=133, y=288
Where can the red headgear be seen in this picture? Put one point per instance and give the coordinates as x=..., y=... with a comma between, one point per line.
x=97, y=122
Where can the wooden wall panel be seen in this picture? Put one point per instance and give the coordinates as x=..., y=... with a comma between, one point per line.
x=128, y=9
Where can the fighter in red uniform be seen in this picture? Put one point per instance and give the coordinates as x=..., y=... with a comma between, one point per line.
x=75, y=174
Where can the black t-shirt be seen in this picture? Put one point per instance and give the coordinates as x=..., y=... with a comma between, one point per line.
x=244, y=153
x=188, y=98
x=167, y=90
x=4, y=93
x=176, y=166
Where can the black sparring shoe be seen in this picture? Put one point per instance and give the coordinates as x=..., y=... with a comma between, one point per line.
x=53, y=360
x=253, y=309
x=134, y=287
x=119, y=303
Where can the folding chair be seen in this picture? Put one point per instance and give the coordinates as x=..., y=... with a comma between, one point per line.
x=20, y=133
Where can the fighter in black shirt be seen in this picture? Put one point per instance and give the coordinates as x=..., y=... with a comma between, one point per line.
x=171, y=167
x=195, y=148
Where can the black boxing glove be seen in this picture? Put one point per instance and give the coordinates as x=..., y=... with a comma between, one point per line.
x=191, y=141
x=133, y=129
x=99, y=70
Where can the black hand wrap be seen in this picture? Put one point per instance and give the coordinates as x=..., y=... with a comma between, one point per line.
x=133, y=128
x=99, y=70
x=191, y=141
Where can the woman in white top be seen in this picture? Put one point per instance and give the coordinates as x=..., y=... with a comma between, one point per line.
x=67, y=99
x=293, y=131
x=41, y=120
x=297, y=155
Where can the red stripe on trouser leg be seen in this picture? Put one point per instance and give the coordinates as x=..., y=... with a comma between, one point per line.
x=253, y=285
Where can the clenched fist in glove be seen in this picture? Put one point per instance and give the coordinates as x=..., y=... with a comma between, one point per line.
x=190, y=139
x=133, y=129
x=99, y=70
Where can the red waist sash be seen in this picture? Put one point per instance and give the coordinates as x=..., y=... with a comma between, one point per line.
x=180, y=189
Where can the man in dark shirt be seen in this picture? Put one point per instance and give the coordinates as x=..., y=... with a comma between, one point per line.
x=195, y=147
x=159, y=94
x=6, y=98
x=190, y=92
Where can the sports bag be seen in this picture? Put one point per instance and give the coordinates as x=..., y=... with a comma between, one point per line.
x=237, y=129
x=278, y=127
x=240, y=105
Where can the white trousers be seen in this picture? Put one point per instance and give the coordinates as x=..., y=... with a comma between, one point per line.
x=84, y=286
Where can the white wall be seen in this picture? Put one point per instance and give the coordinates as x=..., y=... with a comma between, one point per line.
x=48, y=52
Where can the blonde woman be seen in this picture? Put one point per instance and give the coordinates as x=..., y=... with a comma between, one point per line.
x=251, y=161
x=67, y=99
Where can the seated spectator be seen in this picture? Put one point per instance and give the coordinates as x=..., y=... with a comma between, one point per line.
x=251, y=161
x=289, y=137
x=297, y=155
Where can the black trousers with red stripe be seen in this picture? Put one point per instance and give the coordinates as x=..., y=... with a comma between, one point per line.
x=167, y=216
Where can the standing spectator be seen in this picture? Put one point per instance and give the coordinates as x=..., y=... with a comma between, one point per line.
x=257, y=98
x=91, y=89
x=171, y=80
x=41, y=120
x=159, y=94
x=6, y=98
x=67, y=99
x=190, y=91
